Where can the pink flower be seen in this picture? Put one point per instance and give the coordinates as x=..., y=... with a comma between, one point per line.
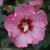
x=26, y=26
x=1, y=3
x=37, y=4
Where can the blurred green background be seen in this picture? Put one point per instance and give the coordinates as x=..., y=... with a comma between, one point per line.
x=6, y=43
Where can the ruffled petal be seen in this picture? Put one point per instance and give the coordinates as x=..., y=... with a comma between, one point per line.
x=23, y=40
x=40, y=16
x=24, y=9
x=38, y=32
x=12, y=29
x=37, y=4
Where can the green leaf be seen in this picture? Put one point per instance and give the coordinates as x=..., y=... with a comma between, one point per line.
x=15, y=6
x=27, y=1
x=2, y=17
x=48, y=14
x=0, y=12
x=5, y=42
x=6, y=48
x=11, y=49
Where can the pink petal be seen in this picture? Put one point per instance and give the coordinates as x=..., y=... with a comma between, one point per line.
x=38, y=32
x=20, y=9
x=24, y=9
x=35, y=40
x=1, y=3
x=12, y=29
x=14, y=18
x=40, y=16
x=9, y=17
x=37, y=4
x=23, y=40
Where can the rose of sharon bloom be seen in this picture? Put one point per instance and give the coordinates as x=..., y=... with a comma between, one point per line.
x=1, y=3
x=37, y=4
x=26, y=26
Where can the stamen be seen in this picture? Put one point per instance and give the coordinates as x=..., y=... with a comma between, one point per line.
x=25, y=27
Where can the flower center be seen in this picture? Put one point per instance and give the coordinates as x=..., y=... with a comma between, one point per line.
x=25, y=28
x=25, y=25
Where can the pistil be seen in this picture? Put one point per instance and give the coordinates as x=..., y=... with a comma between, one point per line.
x=26, y=28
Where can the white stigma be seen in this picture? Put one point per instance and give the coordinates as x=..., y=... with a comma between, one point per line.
x=26, y=27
